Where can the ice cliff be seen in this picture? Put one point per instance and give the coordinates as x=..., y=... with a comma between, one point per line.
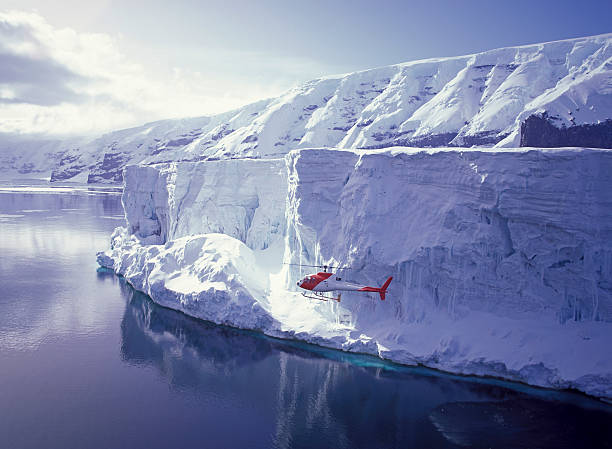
x=240, y=198
x=501, y=258
x=546, y=95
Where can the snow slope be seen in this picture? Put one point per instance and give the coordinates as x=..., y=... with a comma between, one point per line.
x=481, y=99
x=31, y=157
x=501, y=258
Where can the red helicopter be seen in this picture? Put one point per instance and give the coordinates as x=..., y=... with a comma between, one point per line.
x=324, y=281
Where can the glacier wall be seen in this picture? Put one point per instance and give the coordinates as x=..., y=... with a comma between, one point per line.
x=508, y=232
x=241, y=198
x=502, y=259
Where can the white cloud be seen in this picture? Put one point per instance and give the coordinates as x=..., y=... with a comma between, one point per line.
x=60, y=81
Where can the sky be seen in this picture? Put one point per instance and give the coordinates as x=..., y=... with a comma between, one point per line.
x=74, y=67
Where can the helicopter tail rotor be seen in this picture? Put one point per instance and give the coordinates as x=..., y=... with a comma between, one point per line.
x=383, y=289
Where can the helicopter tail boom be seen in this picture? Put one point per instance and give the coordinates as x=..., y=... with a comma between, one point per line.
x=381, y=291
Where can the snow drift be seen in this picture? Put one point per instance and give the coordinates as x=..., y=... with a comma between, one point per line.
x=502, y=259
x=482, y=99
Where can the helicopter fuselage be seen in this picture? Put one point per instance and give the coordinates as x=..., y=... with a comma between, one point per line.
x=327, y=282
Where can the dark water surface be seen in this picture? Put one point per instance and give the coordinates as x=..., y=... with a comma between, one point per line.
x=87, y=362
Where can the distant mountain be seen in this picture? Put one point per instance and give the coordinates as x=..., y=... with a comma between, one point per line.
x=546, y=95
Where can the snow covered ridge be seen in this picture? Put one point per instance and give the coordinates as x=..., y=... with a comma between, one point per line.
x=482, y=99
x=501, y=258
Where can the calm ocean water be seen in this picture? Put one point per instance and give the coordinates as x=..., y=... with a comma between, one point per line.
x=87, y=362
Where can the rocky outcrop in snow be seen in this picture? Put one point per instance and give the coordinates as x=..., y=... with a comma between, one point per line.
x=501, y=259
x=481, y=99
x=539, y=131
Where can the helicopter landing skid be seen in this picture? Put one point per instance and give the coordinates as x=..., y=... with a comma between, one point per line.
x=322, y=297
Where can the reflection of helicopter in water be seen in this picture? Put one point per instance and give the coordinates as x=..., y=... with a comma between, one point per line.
x=318, y=284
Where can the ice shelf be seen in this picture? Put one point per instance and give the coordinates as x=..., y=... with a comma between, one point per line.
x=501, y=259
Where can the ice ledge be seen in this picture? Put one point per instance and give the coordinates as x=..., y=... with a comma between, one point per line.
x=217, y=278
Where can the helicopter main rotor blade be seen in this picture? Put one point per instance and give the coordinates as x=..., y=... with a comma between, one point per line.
x=319, y=266
x=300, y=265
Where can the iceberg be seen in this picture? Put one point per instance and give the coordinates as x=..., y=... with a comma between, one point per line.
x=501, y=257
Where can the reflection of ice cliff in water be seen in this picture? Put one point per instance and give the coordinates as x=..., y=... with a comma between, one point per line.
x=158, y=336
x=305, y=394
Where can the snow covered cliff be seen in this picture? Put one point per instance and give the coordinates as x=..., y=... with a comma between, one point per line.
x=241, y=198
x=501, y=258
x=547, y=95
